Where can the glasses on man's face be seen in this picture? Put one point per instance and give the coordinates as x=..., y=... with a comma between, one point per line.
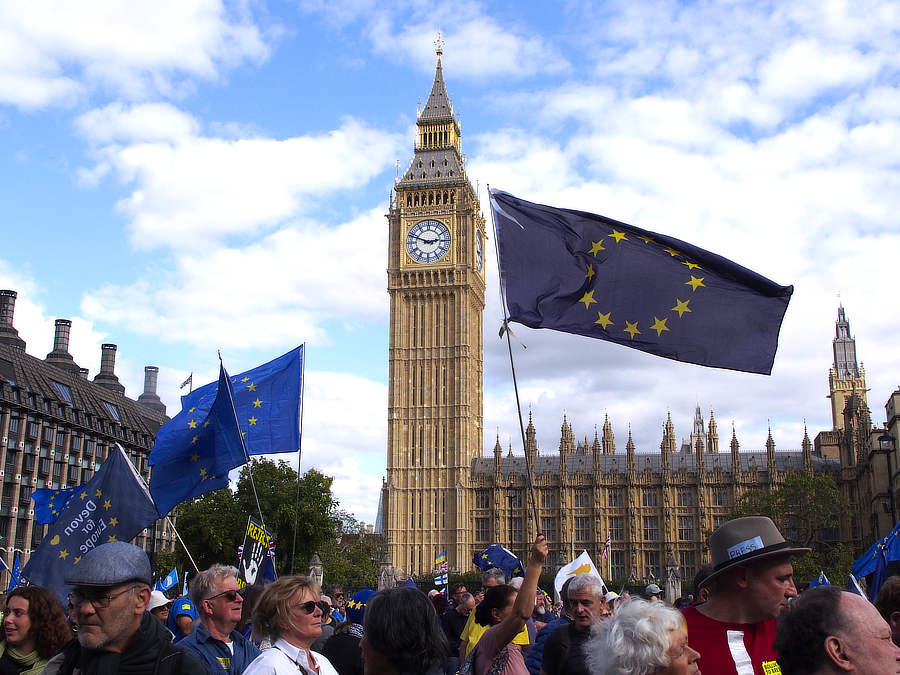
x=97, y=600
x=231, y=595
x=307, y=607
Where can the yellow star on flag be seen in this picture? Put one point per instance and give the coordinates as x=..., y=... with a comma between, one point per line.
x=588, y=299
x=672, y=252
x=195, y=439
x=112, y=537
x=646, y=239
x=99, y=493
x=253, y=421
x=64, y=554
x=691, y=265
x=257, y=403
x=195, y=457
x=192, y=424
x=83, y=495
x=659, y=325
x=597, y=247
x=695, y=282
x=113, y=521
x=251, y=387
x=203, y=472
x=631, y=328
x=681, y=306
x=77, y=560
x=107, y=505
x=193, y=409
x=618, y=236
x=590, y=272
x=603, y=320
x=206, y=424
x=245, y=379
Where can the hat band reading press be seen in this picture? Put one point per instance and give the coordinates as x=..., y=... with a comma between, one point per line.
x=755, y=553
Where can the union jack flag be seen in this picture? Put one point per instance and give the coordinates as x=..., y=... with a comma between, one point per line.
x=606, y=546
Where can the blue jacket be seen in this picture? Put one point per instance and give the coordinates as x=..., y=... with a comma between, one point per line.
x=535, y=657
x=216, y=656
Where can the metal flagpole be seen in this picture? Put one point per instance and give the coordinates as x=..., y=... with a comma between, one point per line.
x=262, y=520
x=505, y=330
x=299, y=450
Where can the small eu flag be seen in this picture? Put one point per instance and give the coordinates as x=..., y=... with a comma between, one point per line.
x=167, y=581
x=195, y=450
x=15, y=575
x=266, y=403
x=49, y=503
x=502, y=558
x=113, y=506
x=589, y=275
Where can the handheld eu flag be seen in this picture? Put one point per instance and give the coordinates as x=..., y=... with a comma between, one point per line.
x=195, y=450
x=113, y=506
x=502, y=558
x=15, y=575
x=589, y=275
x=267, y=403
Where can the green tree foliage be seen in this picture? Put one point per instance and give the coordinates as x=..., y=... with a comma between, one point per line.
x=807, y=510
x=213, y=525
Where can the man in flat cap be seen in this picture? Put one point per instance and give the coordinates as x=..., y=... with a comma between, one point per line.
x=116, y=633
x=751, y=582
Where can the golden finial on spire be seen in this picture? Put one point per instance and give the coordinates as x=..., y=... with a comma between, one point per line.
x=439, y=44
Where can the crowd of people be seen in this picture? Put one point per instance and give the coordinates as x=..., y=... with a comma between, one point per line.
x=746, y=618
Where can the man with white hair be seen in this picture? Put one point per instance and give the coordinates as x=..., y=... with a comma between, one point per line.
x=565, y=652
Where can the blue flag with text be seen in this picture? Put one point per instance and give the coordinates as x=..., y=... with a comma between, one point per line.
x=586, y=274
x=113, y=506
x=195, y=450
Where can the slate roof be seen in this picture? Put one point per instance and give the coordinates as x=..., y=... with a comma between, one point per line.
x=27, y=374
x=437, y=108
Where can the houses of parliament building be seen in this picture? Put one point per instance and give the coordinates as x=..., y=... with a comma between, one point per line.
x=442, y=492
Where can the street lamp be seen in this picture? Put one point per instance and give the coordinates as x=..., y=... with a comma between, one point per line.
x=886, y=445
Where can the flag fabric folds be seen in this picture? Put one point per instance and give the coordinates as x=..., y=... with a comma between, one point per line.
x=875, y=560
x=266, y=402
x=113, y=506
x=501, y=558
x=195, y=450
x=586, y=274
x=606, y=546
x=441, y=580
x=49, y=503
x=15, y=575
x=581, y=565
x=168, y=581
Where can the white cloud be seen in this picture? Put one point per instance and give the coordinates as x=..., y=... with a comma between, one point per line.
x=265, y=294
x=53, y=51
x=190, y=189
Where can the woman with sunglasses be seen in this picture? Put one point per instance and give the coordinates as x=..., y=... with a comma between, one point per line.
x=34, y=630
x=288, y=614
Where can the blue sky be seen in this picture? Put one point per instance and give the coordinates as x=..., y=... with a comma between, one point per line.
x=180, y=177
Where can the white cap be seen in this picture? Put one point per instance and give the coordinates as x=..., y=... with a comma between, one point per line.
x=609, y=597
x=157, y=599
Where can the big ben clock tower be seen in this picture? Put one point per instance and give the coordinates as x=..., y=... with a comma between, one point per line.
x=436, y=286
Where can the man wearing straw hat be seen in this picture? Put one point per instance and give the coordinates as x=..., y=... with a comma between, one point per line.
x=751, y=582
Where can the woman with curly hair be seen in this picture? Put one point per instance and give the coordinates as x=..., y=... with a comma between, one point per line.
x=34, y=630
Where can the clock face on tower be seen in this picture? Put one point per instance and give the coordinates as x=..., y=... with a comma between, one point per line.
x=428, y=241
x=479, y=251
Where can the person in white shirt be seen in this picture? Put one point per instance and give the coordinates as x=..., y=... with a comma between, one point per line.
x=288, y=614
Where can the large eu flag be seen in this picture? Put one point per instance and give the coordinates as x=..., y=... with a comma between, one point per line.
x=583, y=273
x=195, y=450
x=266, y=401
x=502, y=558
x=113, y=506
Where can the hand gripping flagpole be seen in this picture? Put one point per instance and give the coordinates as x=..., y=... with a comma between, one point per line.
x=505, y=330
x=243, y=446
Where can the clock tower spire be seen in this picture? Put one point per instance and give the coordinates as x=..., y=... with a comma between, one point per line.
x=436, y=235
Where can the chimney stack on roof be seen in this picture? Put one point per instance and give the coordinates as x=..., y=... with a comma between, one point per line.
x=149, y=398
x=60, y=355
x=107, y=375
x=8, y=334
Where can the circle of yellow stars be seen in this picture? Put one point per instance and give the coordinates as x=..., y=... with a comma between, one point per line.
x=660, y=325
